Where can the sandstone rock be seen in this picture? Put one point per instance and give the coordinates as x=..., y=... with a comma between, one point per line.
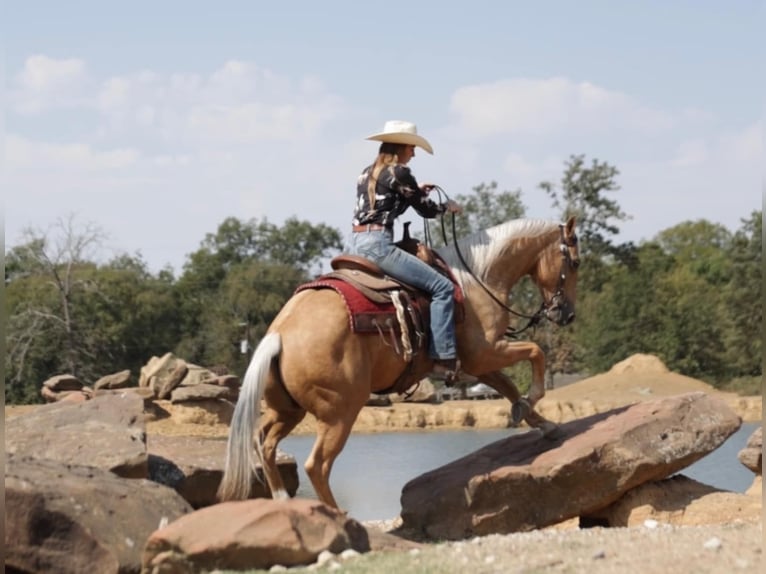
x=202, y=392
x=526, y=481
x=63, y=383
x=71, y=519
x=194, y=467
x=114, y=381
x=756, y=489
x=198, y=375
x=209, y=412
x=752, y=455
x=376, y=400
x=158, y=369
x=164, y=385
x=679, y=501
x=424, y=392
x=107, y=432
x=252, y=534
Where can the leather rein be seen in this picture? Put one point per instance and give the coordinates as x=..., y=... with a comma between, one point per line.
x=567, y=263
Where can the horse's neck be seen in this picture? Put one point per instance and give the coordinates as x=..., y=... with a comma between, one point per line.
x=514, y=262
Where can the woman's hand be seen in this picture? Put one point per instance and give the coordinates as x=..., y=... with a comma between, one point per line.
x=427, y=187
x=452, y=207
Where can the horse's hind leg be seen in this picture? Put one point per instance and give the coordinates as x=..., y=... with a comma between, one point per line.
x=331, y=438
x=276, y=426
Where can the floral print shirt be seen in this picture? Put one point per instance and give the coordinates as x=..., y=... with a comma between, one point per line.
x=395, y=191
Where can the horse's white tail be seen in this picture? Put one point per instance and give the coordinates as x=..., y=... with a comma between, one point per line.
x=241, y=457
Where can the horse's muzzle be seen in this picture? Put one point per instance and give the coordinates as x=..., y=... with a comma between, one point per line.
x=561, y=314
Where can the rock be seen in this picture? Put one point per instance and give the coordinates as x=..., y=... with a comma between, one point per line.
x=423, y=392
x=114, y=381
x=199, y=411
x=198, y=375
x=72, y=519
x=202, y=392
x=680, y=501
x=63, y=383
x=194, y=467
x=161, y=373
x=165, y=385
x=107, y=432
x=252, y=534
x=756, y=489
x=640, y=363
x=376, y=400
x=752, y=455
x=526, y=482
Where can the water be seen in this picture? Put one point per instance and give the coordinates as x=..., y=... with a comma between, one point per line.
x=368, y=476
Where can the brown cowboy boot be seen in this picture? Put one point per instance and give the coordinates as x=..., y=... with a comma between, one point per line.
x=446, y=369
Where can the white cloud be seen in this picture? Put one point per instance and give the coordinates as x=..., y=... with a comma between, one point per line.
x=23, y=154
x=46, y=82
x=238, y=103
x=690, y=153
x=532, y=106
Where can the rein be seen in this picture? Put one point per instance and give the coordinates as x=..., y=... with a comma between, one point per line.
x=534, y=319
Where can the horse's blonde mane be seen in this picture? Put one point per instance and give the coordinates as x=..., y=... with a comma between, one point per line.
x=482, y=248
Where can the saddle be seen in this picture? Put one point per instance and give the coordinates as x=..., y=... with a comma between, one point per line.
x=378, y=303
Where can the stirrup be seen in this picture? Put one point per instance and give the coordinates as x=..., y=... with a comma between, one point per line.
x=449, y=373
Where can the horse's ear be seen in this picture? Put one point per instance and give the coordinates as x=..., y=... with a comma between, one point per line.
x=570, y=225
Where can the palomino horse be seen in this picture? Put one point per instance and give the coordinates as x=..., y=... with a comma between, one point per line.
x=311, y=361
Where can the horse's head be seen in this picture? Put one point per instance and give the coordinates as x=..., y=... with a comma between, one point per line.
x=556, y=275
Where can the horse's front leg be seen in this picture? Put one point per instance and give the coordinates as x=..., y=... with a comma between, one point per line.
x=521, y=410
x=508, y=353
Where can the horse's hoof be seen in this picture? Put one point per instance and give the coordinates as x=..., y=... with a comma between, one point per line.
x=519, y=411
x=551, y=431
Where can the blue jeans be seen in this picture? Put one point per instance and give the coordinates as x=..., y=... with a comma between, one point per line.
x=378, y=246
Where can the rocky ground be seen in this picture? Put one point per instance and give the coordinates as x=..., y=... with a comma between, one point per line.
x=734, y=546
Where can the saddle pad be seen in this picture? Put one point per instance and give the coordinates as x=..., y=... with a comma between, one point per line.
x=363, y=314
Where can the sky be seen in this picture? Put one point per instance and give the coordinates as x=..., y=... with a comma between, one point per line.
x=155, y=121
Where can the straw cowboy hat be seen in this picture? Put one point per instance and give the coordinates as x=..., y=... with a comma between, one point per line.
x=399, y=132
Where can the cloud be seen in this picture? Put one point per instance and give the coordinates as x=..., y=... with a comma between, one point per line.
x=239, y=103
x=46, y=82
x=25, y=154
x=544, y=106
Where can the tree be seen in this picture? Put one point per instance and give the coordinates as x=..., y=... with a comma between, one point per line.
x=57, y=255
x=583, y=194
x=68, y=314
x=292, y=250
x=743, y=299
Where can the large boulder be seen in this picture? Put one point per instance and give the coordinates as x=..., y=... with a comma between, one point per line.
x=526, y=481
x=72, y=519
x=252, y=534
x=194, y=467
x=107, y=432
x=678, y=500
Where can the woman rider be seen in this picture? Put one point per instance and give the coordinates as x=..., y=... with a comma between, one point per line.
x=384, y=191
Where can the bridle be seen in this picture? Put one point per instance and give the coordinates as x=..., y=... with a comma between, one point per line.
x=568, y=264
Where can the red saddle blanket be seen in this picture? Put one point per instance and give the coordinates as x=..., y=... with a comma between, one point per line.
x=364, y=316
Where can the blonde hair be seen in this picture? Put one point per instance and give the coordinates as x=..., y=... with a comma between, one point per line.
x=388, y=156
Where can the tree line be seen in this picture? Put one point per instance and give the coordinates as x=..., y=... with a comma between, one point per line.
x=691, y=295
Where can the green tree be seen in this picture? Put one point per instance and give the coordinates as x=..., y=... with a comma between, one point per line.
x=582, y=193
x=290, y=251
x=67, y=314
x=742, y=299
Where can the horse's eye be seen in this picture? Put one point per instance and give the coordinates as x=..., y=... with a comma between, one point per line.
x=576, y=263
